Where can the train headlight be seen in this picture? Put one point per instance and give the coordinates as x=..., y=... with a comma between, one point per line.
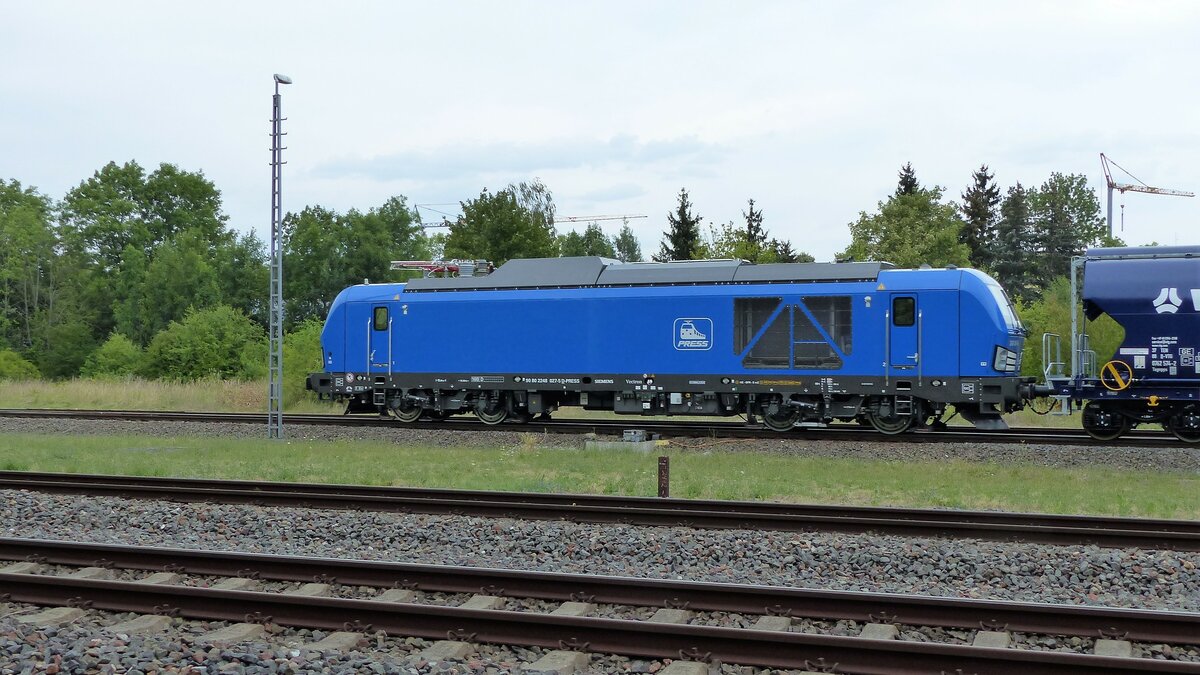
x=1006, y=360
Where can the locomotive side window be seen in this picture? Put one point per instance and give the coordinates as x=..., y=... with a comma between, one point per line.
x=381, y=318
x=772, y=349
x=749, y=316
x=904, y=311
x=833, y=313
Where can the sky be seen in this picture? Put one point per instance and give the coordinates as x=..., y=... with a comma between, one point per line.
x=809, y=108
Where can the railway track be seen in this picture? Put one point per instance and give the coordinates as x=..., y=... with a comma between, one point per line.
x=1136, y=438
x=769, y=644
x=647, y=511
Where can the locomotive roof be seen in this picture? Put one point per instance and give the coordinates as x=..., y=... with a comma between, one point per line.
x=594, y=271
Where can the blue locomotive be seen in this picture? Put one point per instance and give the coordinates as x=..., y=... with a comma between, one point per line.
x=1154, y=376
x=790, y=344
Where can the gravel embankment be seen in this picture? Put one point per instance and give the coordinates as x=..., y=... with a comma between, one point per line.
x=808, y=444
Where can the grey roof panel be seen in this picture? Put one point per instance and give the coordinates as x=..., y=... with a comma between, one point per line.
x=523, y=273
x=596, y=271
x=854, y=271
x=689, y=272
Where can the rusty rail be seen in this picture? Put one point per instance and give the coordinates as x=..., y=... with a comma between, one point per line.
x=632, y=638
x=1085, y=621
x=1030, y=527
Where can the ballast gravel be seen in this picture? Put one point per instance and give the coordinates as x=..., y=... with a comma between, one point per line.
x=962, y=568
x=800, y=443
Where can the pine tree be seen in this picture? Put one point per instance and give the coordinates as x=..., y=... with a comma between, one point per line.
x=908, y=181
x=682, y=240
x=1013, y=260
x=979, y=216
x=756, y=236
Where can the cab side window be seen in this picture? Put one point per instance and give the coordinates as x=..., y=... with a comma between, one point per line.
x=904, y=311
x=381, y=318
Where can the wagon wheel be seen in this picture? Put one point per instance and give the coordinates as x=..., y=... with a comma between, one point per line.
x=891, y=424
x=1102, y=424
x=1186, y=427
x=492, y=411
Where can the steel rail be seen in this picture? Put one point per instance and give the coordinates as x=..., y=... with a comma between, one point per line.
x=632, y=638
x=1086, y=621
x=770, y=649
x=994, y=525
x=1058, y=436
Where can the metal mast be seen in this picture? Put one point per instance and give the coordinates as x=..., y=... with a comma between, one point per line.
x=275, y=384
x=1130, y=187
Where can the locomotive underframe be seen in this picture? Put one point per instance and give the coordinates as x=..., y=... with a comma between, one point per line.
x=891, y=404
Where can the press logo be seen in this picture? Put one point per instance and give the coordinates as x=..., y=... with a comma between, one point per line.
x=693, y=334
x=1168, y=301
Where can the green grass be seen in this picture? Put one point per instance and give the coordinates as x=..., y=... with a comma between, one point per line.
x=719, y=474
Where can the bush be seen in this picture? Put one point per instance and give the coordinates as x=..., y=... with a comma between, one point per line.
x=117, y=357
x=207, y=343
x=13, y=366
x=301, y=356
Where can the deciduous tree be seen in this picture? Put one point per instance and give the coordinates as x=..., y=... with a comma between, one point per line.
x=516, y=222
x=909, y=230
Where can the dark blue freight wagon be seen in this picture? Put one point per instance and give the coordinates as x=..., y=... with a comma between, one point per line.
x=791, y=344
x=1154, y=375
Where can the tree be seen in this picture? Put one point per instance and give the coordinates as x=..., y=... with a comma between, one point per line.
x=782, y=250
x=909, y=230
x=626, y=244
x=27, y=261
x=1012, y=257
x=1066, y=220
x=979, y=216
x=908, y=181
x=324, y=252
x=756, y=236
x=516, y=222
x=682, y=240
x=116, y=224
x=592, y=241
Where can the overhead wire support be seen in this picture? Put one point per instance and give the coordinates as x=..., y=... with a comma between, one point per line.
x=275, y=305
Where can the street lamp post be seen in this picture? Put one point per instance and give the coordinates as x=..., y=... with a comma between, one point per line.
x=275, y=368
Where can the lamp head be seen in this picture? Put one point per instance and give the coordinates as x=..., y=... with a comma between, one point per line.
x=282, y=79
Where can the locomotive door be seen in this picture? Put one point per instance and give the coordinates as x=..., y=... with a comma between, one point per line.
x=368, y=332
x=904, y=353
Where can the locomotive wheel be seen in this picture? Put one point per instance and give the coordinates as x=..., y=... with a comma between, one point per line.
x=407, y=411
x=1103, y=425
x=890, y=424
x=1185, y=426
x=783, y=420
x=492, y=412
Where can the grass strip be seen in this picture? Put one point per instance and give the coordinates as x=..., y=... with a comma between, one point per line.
x=721, y=474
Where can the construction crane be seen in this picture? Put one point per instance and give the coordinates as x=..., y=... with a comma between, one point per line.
x=592, y=219
x=1131, y=187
